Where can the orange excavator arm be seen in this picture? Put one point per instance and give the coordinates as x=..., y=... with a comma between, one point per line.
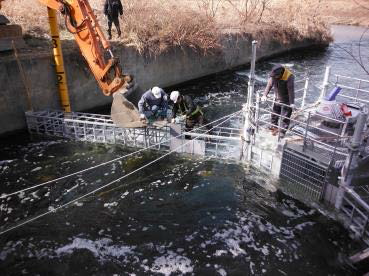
x=81, y=21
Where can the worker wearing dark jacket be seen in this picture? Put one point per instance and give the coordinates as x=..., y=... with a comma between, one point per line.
x=184, y=106
x=282, y=80
x=112, y=9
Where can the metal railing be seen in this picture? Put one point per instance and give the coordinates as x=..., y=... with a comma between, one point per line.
x=223, y=141
x=356, y=209
x=95, y=128
x=353, y=89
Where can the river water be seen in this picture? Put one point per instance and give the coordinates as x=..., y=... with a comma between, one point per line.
x=179, y=216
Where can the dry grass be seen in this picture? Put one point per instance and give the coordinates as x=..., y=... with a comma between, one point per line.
x=301, y=17
x=155, y=26
x=348, y=12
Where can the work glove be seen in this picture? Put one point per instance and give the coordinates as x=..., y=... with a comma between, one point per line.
x=263, y=98
x=173, y=120
x=154, y=108
x=142, y=116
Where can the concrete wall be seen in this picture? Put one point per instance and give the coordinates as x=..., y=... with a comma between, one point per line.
x=172, y=67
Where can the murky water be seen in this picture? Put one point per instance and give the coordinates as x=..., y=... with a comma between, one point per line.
x=179, y=216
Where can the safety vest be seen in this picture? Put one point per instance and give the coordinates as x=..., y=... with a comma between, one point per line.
x=183, y=108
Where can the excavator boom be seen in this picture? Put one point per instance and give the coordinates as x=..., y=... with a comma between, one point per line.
x=81, y=21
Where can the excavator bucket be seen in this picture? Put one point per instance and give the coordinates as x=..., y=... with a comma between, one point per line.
x=124, y=113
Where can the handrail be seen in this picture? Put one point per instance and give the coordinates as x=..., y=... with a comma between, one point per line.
x=350, y=88
x=353, y=98
x=357, y=198
x=347, y=77
x=316, y=114
x=333, y=148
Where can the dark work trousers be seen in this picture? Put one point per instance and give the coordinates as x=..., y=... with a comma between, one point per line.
x=199, y=120
x=114, y=20
x=284, y=111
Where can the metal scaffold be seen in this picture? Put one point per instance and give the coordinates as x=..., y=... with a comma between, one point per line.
x=223, y=141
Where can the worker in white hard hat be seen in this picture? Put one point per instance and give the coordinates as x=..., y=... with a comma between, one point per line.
x=184, y=106
x=153, y=104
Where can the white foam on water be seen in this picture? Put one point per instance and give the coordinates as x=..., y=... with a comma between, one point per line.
x=109, y=205
x=222, y=272
x=170, y=263
x=301, y=226
x=101, y=249
x=4, y=162
x=36, y=169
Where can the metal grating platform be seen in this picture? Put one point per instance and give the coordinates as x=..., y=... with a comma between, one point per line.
x=302, y=175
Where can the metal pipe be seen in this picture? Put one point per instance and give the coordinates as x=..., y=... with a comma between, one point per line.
x=306, y=131
x=58, y=59
x=359, y=128
x=351, y=160
x=306, y=87
x=250, y=94
x=325, y=83
x=351, y=78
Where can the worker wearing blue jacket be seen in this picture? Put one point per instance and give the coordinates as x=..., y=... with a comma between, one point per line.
x=153, y=104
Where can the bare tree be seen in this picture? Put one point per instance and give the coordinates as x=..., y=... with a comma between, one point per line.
x=250, y=10
x=211, y=7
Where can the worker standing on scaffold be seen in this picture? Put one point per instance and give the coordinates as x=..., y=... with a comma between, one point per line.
x=153, y=105
x=283, y=82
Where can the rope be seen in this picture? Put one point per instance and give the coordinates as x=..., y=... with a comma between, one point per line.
x=112, y=182
x=106, y=163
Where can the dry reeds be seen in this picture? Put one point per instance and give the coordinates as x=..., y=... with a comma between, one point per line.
x=155, y=26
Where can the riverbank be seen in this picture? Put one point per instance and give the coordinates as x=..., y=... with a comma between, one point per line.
x=197, y=41
x=173, y=67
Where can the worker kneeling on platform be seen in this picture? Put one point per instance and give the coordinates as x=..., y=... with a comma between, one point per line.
x=153, y=105
x=282, y=80
x=185, y=108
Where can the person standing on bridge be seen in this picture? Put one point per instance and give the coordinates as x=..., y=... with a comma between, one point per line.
x=153, y=105
x=283, y=82
x=112, y=10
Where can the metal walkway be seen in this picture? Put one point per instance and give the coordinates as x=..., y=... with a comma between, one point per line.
x=222, y=141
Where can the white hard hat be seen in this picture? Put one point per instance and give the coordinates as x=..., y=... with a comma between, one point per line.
x=174, y=96
x=156, y=91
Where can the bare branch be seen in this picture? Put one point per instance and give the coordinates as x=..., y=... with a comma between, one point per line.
x=361, y=5
x=353, y=57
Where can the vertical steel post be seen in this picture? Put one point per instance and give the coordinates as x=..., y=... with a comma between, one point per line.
x=351, y=160
x=306, y=132
x=280, y=121
x=58, y=59
x=306, y=87
x=247, y=132
x=325, y=83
